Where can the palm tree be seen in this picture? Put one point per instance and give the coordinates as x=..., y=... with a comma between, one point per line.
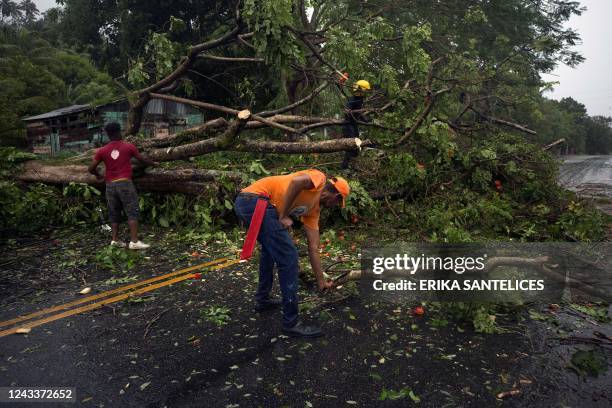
x=30, y=11
x=10, y=9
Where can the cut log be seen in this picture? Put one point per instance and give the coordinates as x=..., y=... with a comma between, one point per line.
x=553, y=144
x=255, y=146
x=190, y=181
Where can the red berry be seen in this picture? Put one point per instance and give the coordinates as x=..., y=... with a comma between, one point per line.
x=418, y=311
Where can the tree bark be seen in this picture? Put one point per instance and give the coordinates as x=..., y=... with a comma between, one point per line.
x=205, y=129
x=190, y=181
x=255, y=146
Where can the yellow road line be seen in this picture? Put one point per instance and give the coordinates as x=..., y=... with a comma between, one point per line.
x=111, y=292
x=107, y=301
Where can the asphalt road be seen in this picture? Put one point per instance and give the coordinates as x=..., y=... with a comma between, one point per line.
x=587, y=175
x=163, y=349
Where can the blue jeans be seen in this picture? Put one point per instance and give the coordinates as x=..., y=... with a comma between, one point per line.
x=276, y=248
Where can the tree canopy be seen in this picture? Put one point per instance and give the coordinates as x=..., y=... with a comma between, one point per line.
x=38, y=77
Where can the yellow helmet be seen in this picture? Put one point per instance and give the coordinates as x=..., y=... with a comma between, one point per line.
x=361, y=85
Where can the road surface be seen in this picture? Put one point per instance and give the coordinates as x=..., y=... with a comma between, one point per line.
x=587, y=175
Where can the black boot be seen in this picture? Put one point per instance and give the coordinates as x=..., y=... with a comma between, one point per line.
x=269, y=304
x=301, y=330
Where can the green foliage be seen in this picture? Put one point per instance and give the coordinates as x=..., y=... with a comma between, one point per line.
x=446, y=174
x=37, y=207
x=416, y=58
x=482, y=316
x=160, y=53
x=359, y=201
x=392, y=395
x=206, y=211
x=582, y=223
x=483, y=321
x=117, y=259
x=568, y=119
x=37, y=77
x=81, y=190
x=71, y=258
x=599, y=312
x=41, y=206
x=591, y=362
x=258, y=169
x=81, y=202
x=168, y=210
x=137, y=76
x=10, y=159
x=402, y=170
x=218, y=315
x=268, y=19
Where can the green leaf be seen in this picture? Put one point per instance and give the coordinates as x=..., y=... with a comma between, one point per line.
x=414, y=397
x=163, y=222
x=488, y=154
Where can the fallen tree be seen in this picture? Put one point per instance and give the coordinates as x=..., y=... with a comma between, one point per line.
x=402, y=107
x=181, y=180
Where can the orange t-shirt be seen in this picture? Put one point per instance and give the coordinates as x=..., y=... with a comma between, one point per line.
x=306, y=205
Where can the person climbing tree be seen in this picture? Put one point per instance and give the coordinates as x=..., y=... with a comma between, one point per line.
x=352, y=115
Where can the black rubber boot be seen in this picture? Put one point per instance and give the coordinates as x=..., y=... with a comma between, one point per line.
x=270, y=304
x=301, y=330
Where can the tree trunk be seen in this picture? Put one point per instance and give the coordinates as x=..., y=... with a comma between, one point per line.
x=190, y=181
x=255, y=146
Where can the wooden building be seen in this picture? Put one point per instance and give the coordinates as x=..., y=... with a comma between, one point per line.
x=81, y=127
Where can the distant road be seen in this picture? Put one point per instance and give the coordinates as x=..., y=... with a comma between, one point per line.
x=587, y=175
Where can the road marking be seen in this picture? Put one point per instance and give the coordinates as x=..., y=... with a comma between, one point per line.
x=111, y=292
x=114, y=299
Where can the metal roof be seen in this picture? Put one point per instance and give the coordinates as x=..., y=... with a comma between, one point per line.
x=154, y=106
x=58, y=112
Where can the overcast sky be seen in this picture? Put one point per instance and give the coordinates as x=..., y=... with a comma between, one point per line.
x=591, y=82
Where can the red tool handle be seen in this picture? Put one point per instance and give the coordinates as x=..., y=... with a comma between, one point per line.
x=253, y=232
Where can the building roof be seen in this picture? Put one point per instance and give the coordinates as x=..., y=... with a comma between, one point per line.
x=58, y=112
x=154, y=106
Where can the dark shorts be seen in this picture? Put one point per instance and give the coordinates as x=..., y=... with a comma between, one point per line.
x=121, y=195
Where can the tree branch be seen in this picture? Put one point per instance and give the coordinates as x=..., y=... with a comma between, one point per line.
x=224, y=109
x=259, y=146
x=295, y=104
x=223, y=142
x=429, y=102
x=188, y=60
x=316, y=53
x=230, y=59
x=505, y=123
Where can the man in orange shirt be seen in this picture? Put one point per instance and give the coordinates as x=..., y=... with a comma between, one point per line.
x=300, y=195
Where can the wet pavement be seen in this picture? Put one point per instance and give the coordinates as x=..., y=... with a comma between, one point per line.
x=163, y=349
x=587, y=175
